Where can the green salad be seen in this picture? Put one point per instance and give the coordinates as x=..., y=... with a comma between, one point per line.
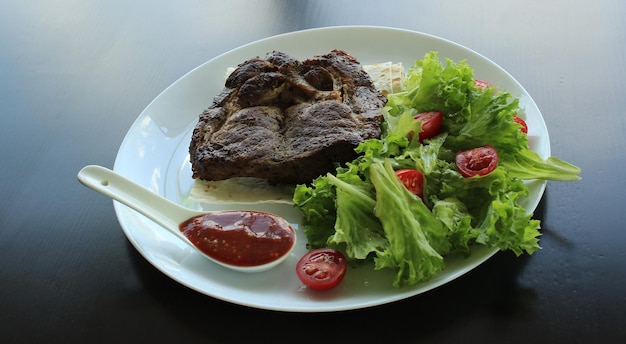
x=365, y=210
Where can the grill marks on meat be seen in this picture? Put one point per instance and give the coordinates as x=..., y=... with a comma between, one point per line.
x=286, y=121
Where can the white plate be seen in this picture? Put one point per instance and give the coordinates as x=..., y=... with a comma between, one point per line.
x=154, y=154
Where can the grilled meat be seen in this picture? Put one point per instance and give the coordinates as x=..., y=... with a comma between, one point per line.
x=286, y=121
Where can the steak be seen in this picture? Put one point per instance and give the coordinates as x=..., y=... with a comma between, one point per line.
x=285, y=120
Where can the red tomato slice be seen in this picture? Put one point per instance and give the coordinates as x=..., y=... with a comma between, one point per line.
x=413, y=180
x=521, y=122
x=477, y=162
x=431, y=124
x=322, y=268
x=482, y=83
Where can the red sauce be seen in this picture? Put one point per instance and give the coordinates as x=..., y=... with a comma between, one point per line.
x=242, y=238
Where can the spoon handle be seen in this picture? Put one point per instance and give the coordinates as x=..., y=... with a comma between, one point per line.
x=159, y=209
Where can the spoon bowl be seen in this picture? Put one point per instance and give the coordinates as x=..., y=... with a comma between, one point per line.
x=162, y=211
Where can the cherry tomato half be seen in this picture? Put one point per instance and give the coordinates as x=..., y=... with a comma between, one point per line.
x=477, y=162
x=322, y=268
x=521, y=122
x=431, y=124
x=413, y=180
x=482, y=83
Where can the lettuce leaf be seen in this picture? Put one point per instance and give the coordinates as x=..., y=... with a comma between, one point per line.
x=357, y=231
x=528, y=165
x=417, y=240
x=317, y=203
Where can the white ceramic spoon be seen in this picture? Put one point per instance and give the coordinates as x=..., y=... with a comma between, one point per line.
x=159, y=209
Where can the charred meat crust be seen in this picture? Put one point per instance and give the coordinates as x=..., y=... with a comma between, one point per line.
x=286, y=121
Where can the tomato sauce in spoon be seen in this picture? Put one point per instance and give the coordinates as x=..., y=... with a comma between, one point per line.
x=240, y=238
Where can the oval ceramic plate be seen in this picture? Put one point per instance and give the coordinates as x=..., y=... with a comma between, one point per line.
x=154, y=154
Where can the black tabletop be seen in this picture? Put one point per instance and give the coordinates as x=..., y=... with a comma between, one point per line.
x=74, y=76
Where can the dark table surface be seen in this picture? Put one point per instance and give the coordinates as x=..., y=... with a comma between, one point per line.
x=74, y=76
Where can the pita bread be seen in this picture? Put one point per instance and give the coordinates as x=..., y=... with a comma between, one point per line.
x=386, y=76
